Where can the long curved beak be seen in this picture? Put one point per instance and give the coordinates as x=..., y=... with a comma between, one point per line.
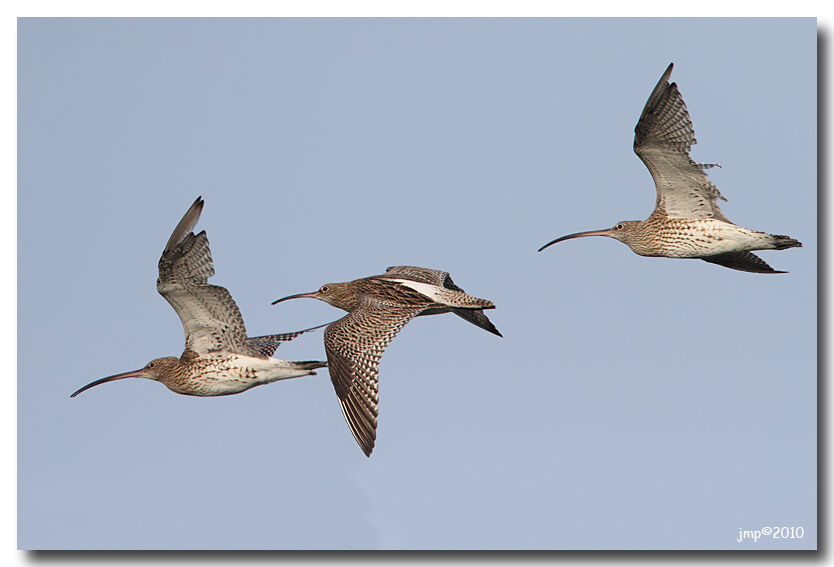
x=604, y=232
x=133, y=374
x=312, y=294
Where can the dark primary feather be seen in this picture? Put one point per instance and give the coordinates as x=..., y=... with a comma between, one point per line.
x=478, y=318
x=742, y=261
x=186, y=224
x=354, y=346
x=663, y=138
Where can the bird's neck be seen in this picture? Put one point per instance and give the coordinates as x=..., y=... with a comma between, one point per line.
x=640, y=238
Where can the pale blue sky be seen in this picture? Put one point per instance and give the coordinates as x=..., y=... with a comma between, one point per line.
x=632, y=403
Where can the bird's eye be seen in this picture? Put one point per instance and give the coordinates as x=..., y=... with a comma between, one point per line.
x=619, y=226
x=323, y=289
x=150, y=365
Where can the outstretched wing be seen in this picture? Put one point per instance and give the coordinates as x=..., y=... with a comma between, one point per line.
x=443, y=279
x=354, y=346
x=662, y=139
x=266, y=345
x=742, y=261
x=417, y=274
x=209, y=315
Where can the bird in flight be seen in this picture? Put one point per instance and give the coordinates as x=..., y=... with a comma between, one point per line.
x=686, y=222
x=219, y=359
x=378, y=307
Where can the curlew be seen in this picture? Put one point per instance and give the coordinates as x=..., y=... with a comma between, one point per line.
x=378, y=307
x=686, y=222
x=219, y=359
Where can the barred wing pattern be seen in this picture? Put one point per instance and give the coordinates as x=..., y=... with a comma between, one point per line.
x=443, y=279
x=266, y=345
x=354, y=346
x=210, y=318
x=662, y=139
x=425, y=275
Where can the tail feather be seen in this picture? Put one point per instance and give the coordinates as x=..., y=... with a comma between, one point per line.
x=460, y=300
x=780, y=242
x=309, y=364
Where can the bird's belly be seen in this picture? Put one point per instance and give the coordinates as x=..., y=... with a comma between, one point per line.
x=216, y=384
x=232, y=375
x=706, y=238
x=212, y=386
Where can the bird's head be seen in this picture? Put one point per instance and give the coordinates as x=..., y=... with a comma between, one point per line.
x=623, y=231
x=159, y=369
x=336, y=294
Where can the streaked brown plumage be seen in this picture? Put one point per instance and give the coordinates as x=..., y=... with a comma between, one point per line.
x=378, y=307
x=686, y=222
x=219, y=359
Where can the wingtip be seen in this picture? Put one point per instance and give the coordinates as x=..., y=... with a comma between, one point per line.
x=317, y=327
x=187, y=223
x=665, y=78
x=492, y=329
x=197, y=206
